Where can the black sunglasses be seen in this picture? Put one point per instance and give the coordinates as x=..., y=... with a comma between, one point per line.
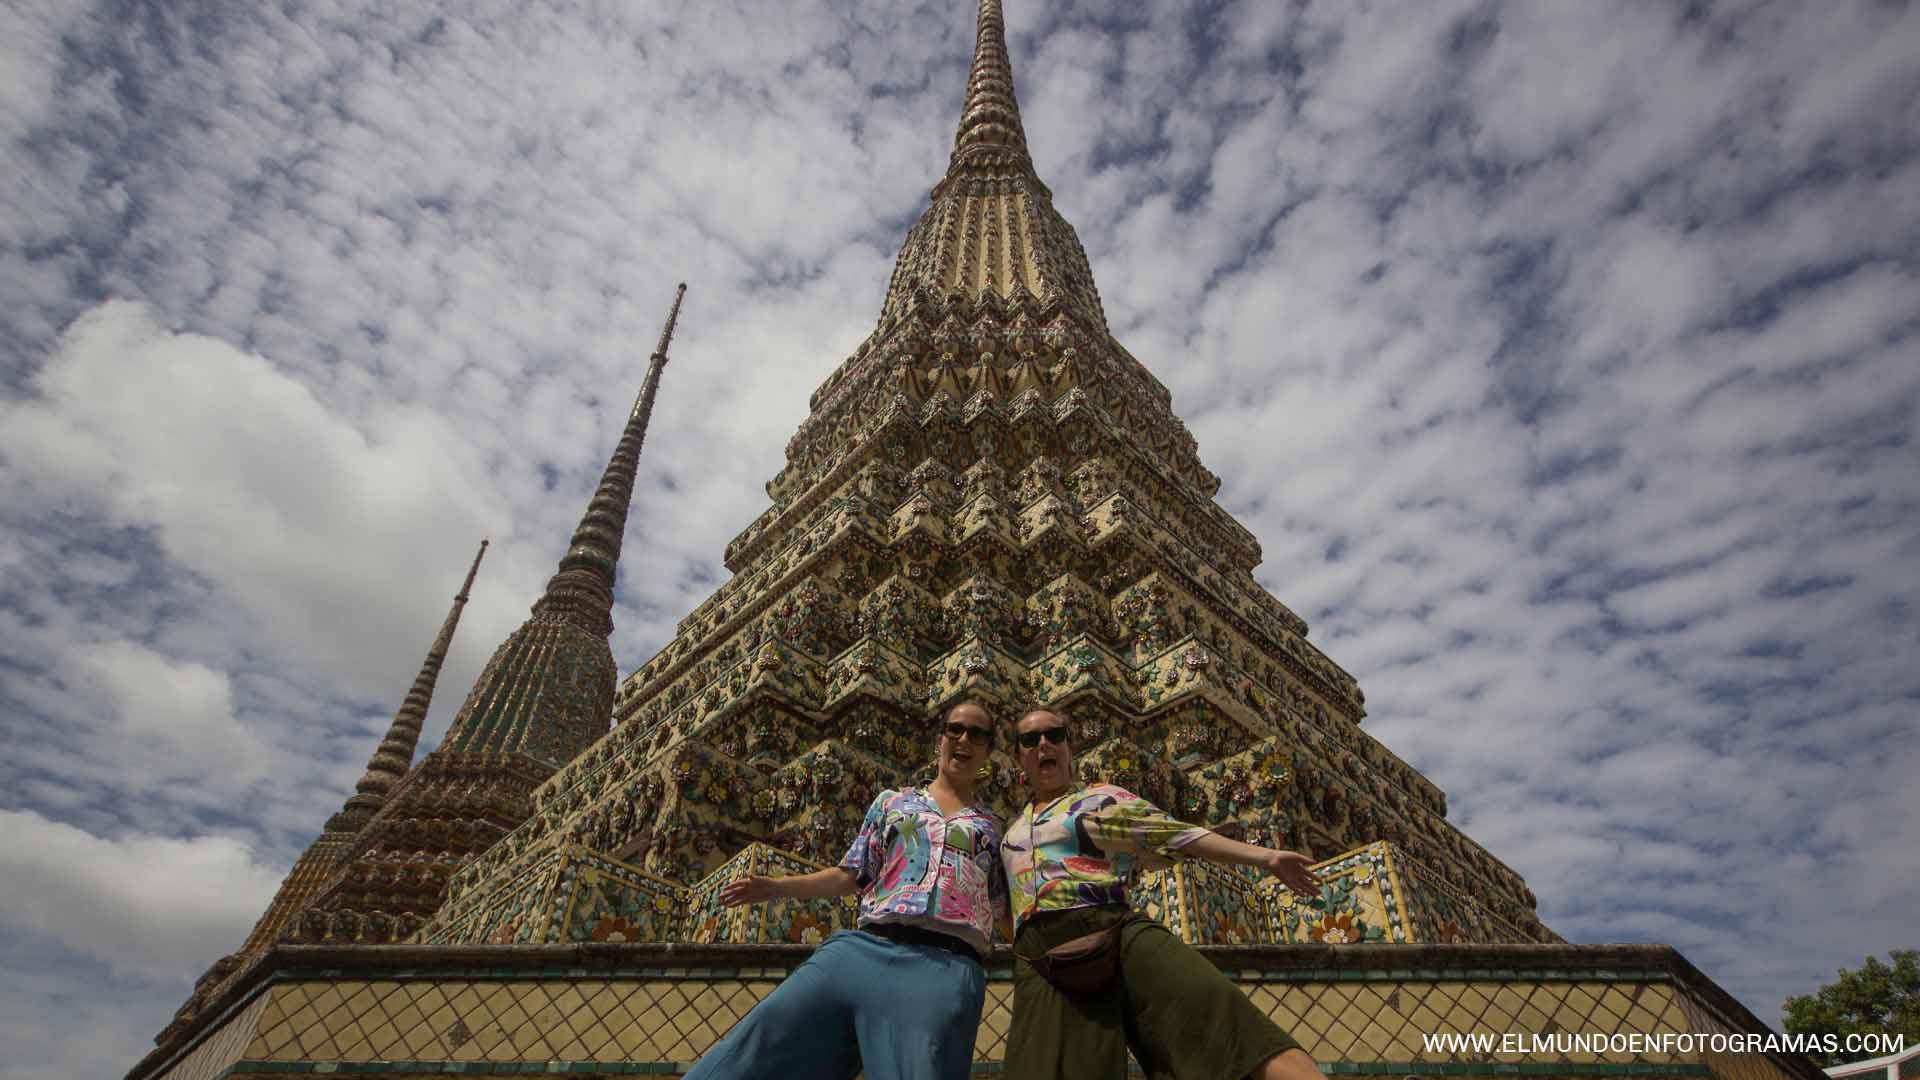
x=1057, y=735
x=981, y=735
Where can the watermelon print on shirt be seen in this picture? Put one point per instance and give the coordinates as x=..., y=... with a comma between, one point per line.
x=1077, y=850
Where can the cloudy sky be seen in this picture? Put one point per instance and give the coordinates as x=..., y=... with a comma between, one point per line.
x=1562, y=357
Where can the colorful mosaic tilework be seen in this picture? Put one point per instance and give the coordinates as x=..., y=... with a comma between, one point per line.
x=799, y=922
x=611, y=901
x=1360, y=901
x=227, y=1044
x=1206, y=904
x=993, y=499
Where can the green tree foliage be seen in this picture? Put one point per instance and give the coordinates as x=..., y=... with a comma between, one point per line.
x=1876, y=998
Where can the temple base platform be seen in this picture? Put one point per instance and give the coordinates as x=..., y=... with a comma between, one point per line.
x=611, y=1009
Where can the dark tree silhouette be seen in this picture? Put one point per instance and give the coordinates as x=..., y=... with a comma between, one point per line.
x=1875, y=999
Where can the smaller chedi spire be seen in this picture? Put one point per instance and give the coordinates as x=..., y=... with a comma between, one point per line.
x=544, y=696
x=990, y=119
x=395, y=755
x=389, y=762
x=581, y=592
x=548, y=691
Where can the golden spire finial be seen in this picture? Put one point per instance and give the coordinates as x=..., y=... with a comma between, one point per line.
x=990, y=232
x=990, y=118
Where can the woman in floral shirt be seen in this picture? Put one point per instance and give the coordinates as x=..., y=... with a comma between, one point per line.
x=900, y=997
x=1068, y=855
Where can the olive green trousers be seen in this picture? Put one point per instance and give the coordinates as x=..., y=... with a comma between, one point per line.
x=1179, y=1015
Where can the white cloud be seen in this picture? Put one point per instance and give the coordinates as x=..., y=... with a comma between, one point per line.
x=29, y=60
x=182, y=710
x=148, y=907
x=303, y=520
x=58, y=1019
x=1583, y=340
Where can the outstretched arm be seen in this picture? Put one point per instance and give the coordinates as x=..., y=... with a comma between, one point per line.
x=758, y=889
x=1291, y=867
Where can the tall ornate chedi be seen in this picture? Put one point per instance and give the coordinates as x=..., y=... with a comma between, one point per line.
x=323, y=857
x=546, y=694
x=991, y=498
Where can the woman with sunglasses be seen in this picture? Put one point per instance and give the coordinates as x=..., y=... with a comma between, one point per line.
x=900, y=997
x=1068, y=856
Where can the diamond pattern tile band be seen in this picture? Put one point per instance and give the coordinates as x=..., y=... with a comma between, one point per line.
x=1363, y=1020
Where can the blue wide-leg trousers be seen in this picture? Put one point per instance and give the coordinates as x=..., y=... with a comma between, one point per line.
x=860, y=1003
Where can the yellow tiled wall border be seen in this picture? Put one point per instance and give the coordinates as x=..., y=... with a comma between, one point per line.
x=624, y=1009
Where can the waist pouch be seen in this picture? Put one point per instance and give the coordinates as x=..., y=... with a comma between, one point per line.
x=1087, y=964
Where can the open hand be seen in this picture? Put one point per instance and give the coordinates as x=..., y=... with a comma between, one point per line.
x=1294, y=871
x=754, y=889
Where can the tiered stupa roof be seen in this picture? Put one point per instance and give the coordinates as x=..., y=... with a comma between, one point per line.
x=991, y=498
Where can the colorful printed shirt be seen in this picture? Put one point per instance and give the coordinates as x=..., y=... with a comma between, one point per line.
x=918, y=867
x=1077, y=850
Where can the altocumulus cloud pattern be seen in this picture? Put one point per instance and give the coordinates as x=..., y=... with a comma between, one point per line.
x=1561, y=356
